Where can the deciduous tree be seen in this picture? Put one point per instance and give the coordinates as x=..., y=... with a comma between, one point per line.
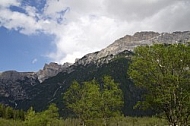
x=83, y=99
x=91, y=100
x=163, y=71
x=111, y=98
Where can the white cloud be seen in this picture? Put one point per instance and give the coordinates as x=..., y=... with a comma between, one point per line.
x=34, y=61
x=85, y=26
x=7, y=3
x=22, y=22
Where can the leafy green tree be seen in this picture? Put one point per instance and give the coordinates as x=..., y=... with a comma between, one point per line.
x=30, y=113
x=43, y=118
x=30, y=116
x=91, y=100
x=72, y=96
x=16, y=114
x=111, y=98
x=163, y=71
x=84, y=99
x=52, y=111
x=2, y=110
x=21, y=115
x=9, y=112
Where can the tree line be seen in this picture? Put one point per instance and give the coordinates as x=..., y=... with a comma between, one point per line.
x=30, y=117
x=8, y=112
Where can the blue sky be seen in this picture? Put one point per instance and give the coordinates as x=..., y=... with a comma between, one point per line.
x=35, y=32
x=22, y=52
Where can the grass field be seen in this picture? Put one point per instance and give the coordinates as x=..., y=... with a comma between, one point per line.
x=119, y=121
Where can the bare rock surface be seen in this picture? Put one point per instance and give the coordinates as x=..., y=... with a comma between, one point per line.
x=129, y=42
x=51, y=70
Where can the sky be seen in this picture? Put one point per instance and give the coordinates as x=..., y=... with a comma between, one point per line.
x=35, y=32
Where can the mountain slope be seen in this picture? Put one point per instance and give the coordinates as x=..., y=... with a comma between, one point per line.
x=55, y=87
x=129, y=42
x=48, y=85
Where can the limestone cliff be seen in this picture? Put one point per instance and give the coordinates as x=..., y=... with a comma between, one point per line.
x=129, y=42
x=51, y=70
x=14, y=84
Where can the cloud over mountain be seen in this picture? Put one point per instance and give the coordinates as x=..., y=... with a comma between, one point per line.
x=84, y=26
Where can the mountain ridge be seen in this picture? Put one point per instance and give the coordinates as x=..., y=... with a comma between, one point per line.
x=50, y=82
x=129, y=42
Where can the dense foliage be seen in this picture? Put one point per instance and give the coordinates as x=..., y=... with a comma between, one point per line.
x=91, y=100
x=163, y=71
x=50, y=117
x=44, y=118
x=117, y=121
x=29, y=118
x=8, y=112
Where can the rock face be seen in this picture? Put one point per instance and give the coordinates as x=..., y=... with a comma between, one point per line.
x=14, y=75
x=129, y=42
x=51, y=70
x=16, y=85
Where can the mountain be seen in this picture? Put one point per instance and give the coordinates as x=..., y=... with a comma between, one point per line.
x=129, y=42
x=51, y=70
x=16, y=86
x=38, y=89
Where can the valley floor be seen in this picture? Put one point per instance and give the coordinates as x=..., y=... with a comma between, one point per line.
x=120, y=121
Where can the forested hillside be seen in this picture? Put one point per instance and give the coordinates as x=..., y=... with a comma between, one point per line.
x=55, y=87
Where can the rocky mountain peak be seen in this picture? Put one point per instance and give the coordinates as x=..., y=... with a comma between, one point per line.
x=13, y=84
x=138, y=36
x=14, y=75
x=10, y=74
x=129, y=42
x=51, y=70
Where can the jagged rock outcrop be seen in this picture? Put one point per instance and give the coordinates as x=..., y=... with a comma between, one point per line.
x=14, y=84
x=129, y=42
x=14, y=75
x=51, y=70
